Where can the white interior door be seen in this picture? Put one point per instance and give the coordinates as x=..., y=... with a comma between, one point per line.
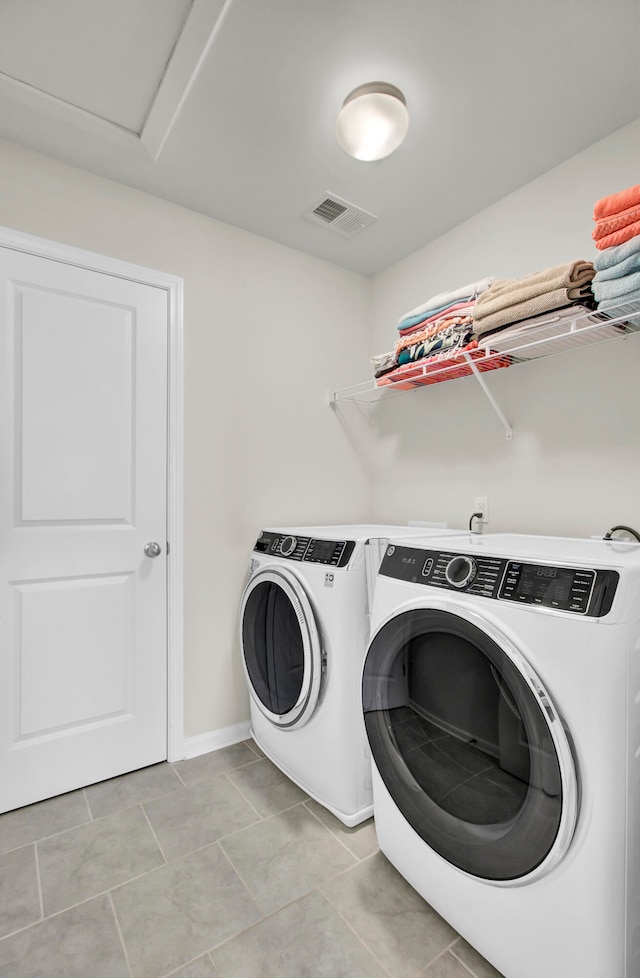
x=83, y=456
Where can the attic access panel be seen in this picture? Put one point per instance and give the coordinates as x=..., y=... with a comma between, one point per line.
x=107, y=57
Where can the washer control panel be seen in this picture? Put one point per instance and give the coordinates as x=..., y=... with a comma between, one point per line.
x=582, y=591
x=335, y=553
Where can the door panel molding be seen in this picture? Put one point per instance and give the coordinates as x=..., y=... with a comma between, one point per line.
x=173, y=287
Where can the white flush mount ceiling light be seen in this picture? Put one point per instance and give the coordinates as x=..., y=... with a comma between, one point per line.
x=373, y=121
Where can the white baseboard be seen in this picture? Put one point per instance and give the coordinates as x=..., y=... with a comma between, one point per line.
x=215, y=739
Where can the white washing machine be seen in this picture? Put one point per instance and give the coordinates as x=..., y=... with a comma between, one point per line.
x=501, y=698
x=304, y=628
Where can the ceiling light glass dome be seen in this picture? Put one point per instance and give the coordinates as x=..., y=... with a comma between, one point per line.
x=373, y=121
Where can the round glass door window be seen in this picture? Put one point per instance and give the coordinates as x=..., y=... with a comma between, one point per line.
x=280, y=645
x=469, y=745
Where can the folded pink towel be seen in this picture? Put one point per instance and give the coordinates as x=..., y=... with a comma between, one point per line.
x=619, y=237
x=426, y=334
x=456, y=309
x=607, y=225
x=615, y=203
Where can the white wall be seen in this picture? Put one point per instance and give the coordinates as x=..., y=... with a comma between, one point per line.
x=267, y=331
x=573, y=466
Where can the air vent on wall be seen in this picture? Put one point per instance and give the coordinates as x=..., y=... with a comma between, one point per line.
x=339, y=215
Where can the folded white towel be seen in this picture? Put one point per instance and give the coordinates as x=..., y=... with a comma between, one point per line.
x=446, y=298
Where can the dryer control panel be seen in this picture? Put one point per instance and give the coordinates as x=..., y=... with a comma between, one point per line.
x=580, y=590
x=335, y=553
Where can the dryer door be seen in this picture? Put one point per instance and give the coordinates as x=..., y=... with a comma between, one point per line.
x=281, y=647
x=469, y=744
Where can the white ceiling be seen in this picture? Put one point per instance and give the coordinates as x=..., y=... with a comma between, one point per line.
x=228, y=106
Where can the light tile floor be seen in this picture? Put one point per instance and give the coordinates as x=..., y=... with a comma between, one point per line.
x=216, y=867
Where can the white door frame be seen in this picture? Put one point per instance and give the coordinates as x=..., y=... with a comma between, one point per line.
x=173, y=286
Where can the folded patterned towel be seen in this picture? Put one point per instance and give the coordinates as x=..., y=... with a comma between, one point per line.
x=610, y=224
x=451, y=339
x=456, y=333
x=547, y=302
x=419, y=335
x=614, y=203
x=445, y=299
x=621, y=269
x=570, y=278
x=615, y=287
x=608, y=257
x=619, y=237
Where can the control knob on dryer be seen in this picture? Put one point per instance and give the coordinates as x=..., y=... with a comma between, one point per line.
x=287, y=546
x=460, y=571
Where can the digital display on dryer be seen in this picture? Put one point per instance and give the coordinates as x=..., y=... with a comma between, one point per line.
x=562, y=588
x=325, y=551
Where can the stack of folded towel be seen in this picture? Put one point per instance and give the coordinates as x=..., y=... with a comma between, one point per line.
x=439, y=328
x=617, y=238
x=528, y=300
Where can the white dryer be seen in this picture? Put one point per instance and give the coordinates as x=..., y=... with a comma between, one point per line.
x=304, y=628
x=501, y=698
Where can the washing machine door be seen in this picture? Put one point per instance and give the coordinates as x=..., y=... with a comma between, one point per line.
x=281, y=647
x=469, y=744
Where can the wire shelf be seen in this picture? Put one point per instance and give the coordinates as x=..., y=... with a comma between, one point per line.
x=508, y=347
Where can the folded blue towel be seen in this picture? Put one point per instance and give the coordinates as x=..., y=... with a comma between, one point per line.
x=611, y=256
x=624, y=267
x=615, y=287
x=628, y=298
x=421, y=316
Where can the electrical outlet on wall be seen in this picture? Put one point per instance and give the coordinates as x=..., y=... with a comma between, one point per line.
x=481, y=505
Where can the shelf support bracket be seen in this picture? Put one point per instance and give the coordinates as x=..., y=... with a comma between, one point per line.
x=494, y=404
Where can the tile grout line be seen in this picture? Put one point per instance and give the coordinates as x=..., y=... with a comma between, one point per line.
x=460, y=961
x=143, y=799
x=364, y=943
x=210, y=776
x=100, y=893
x=176, y=971
x=74, y=906
x=446, y=950
x=38, y=877
x=44, y=838
x=246, y=885
x=251, y=744
x=242, y=794
x=273, y=913
x=179, y=776
x=335, y=834
x=263, y=919
x=123, y=945
x=86, y=801
x=153, y=833
x=355, y=933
